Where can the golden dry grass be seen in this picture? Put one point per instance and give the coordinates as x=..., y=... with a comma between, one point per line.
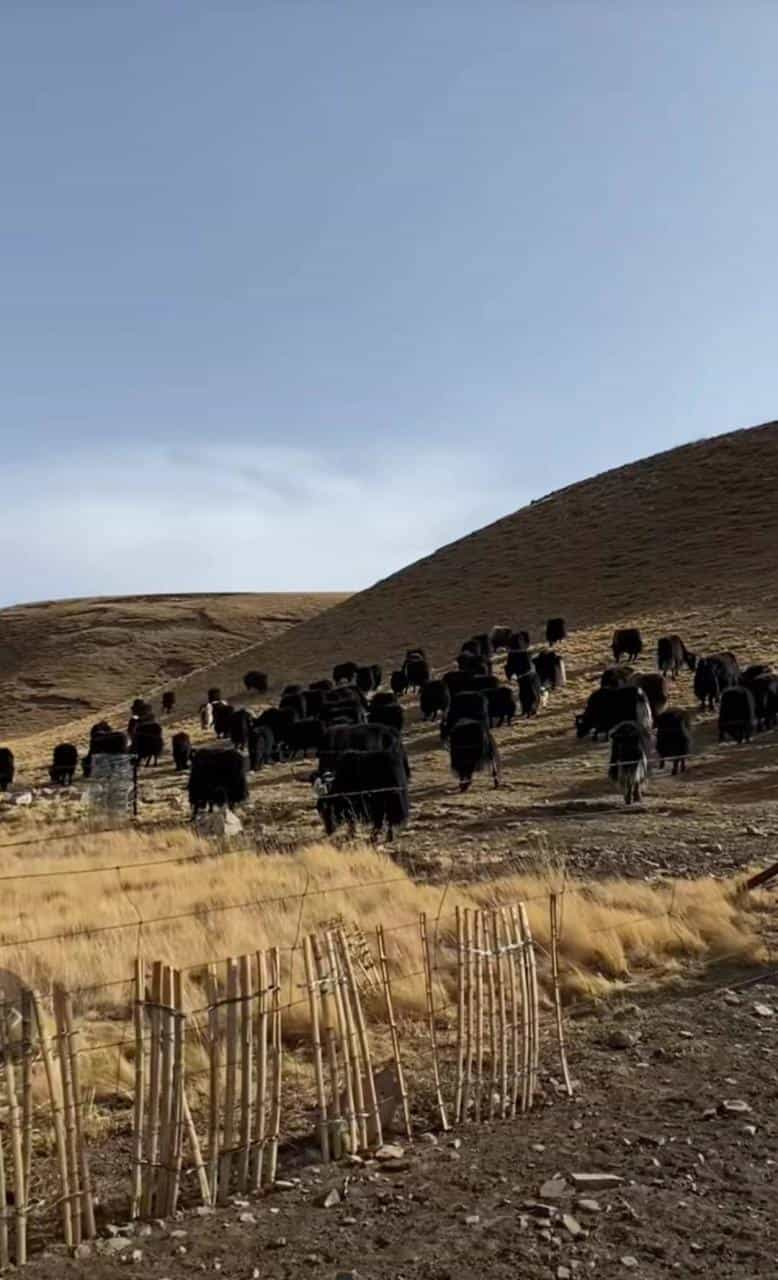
x=189, y=913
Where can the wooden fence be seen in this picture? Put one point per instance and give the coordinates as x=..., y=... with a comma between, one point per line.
x=222, y=1126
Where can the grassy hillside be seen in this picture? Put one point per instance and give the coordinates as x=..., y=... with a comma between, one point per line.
x=694, y=527
x=65, y=659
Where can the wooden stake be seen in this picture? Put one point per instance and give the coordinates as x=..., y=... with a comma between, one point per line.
x=364, y=1045
x=15, y=1134
x=553, y=904
x=166, y=1112
x=389, y=1005
x=532, y=979
x=27, y=1090
x=329, y=1015
x=526, y=1046
x=177, y=1099
x=4, y=1254
x=490, y=957
x=510, y=953
x=55, y=1096
x=318, y=1065
x=469, y=1009
x=337, y=988
x=501, y=1015
x=69, y=1111
x=197, y=1155
x=231, y=1086
x=152, y=1116
x=460, y=1084
x=277, y=1055
x=246, y=1069
x=214, y=1083
x=260, y=1108
x=427, y=961
x=353, y=1047
x=140, y=1087
x=87, y=1206
x=479, y=1014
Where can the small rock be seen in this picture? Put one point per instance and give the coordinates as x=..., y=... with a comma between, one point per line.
x=82, y=1251
x=539, y=1146
x=749, y=1130
x=620, y=1038
x=329, y=1200
x=540, y=1210
x=763, y=1011
x=456, y=1143
x=23, y=798
x=279, y=1243
x=585, y=1205
x=734, y=1106
x=390, y=1152
x=595, y=1181
x=572, y=1225
x=178, y=1235
x=553, y=1189
x=429, y=1139
x=281, y=1184
x=313, y=1259
x=629, y=1261
x=248, y=1219
x=204, y=1210
x=686, y=1035
x=116, y=1244
x=396, y=1166
x=472, y=1220
x=563, y=1273
x=136, y=1256
x=731, y=997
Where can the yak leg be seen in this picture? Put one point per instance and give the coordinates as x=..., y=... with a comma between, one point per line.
x=496, y=770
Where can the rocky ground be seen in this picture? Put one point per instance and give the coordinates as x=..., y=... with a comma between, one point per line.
x=664, y=1163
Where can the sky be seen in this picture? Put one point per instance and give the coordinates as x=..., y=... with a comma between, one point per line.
x=295, y=292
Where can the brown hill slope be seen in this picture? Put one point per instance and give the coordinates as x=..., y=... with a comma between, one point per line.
x=68, y=658
x=697, y=525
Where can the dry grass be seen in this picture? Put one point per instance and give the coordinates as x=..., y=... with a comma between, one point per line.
x=190, y=913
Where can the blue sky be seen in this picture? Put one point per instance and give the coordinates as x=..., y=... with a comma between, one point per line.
x=293, y=293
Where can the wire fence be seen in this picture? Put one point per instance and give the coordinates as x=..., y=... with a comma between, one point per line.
x=451, y=1055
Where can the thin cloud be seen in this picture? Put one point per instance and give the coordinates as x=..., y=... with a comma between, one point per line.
x=235, y=519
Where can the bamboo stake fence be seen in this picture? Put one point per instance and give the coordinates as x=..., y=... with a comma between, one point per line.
x=482, y=1029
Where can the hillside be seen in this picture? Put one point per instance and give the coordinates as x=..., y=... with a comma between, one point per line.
x=696, y=526
x=65, y=659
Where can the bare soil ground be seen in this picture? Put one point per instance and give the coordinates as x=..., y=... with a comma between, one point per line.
x=68, y=657
x=695, y=1196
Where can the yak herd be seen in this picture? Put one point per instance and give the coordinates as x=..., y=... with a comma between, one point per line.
x=354, y=727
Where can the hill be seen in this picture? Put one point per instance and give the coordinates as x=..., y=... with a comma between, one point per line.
x=67, y=658
x=695, y=526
